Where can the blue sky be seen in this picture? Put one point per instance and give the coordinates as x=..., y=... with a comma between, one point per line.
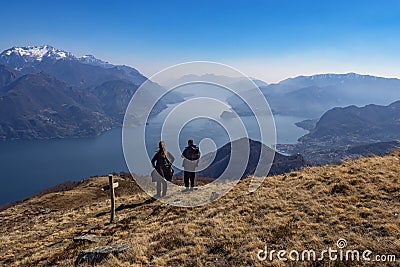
x=270, y=40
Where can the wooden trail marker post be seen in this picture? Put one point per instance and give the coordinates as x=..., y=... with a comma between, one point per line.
x=111, y=186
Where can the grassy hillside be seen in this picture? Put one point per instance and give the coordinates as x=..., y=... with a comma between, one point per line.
x=308, y=209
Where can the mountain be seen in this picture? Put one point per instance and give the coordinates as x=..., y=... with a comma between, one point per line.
x=281, y=163
x=320, y=154
x=29, y=56
x=214, y=91
x=357, y=125
x=116, y=94
x=308, y=125
x=311, y=96
x=350, y=132
x=6, y=76
x=307, y=210
x=219, y=79
x=98, y=87
x=374, y=149
x=21, y=58
x=40, y=106
x=92, y=60
x=83, y=72
x=259, y=83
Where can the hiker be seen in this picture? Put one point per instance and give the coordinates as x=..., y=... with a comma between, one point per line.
x=163, y=171
x=191, y=155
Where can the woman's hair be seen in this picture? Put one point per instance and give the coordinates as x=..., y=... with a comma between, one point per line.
x=162, y=149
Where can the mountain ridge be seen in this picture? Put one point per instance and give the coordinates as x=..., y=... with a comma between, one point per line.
x=358, y=124
x=311, y=96
x=81, y=72
x=86, y=77
x=42, y=52
x=342, y=131
x=280, y=164
x=40, y=106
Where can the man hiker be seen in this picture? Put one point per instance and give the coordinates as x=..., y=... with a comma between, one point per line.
x=191, y=156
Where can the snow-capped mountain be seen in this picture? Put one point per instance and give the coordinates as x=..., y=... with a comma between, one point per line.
x=92, y=60
x=19, y=58
x=23, y=57
x=83, y=72
x=37, y=53
x=47, y=93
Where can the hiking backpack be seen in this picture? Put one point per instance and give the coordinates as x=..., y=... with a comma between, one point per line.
x=193, y=153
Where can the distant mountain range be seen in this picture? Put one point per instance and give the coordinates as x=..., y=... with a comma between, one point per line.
x=42, y=88
x=349, y=131
x=219, y=79
x=311, y=96
x=281, y=163
x=212, y=85
x=49, y=93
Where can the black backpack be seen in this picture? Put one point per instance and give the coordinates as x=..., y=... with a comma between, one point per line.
x=192, y=153
x=168, y=167
x=164, y=168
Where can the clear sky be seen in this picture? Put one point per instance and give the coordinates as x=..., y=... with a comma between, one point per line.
x=269, y=40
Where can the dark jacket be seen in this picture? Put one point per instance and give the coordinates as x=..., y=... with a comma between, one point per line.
x=189, y=165
x=161, y=163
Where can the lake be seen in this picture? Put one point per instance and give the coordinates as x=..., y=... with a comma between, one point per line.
x=28, y=166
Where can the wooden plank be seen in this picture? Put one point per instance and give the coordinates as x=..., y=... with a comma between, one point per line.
x=112, y=196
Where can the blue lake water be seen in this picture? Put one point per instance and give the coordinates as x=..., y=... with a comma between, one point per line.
x=28, y=166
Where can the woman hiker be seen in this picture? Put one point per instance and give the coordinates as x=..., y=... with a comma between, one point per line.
x=162, y=163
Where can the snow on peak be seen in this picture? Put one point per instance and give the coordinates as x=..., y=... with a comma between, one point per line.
x=92, y=60
x=348, y=76
x=22, y=56
x=89, y=57
x=38, y=53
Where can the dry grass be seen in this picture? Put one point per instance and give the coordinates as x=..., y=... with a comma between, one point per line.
x=308, y=209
